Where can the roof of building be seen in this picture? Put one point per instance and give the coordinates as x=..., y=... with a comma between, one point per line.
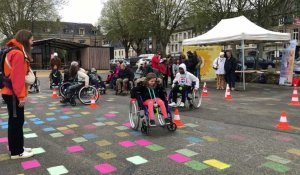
x=60, y=43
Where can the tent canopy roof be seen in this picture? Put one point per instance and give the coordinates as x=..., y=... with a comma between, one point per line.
x=237, y=29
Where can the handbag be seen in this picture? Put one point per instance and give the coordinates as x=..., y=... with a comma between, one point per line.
x=30, y=77
x=217, y=67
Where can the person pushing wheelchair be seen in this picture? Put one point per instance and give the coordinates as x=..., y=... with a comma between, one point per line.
x=183, y=83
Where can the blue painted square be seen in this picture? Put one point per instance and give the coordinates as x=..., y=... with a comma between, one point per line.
x=4, y=126
x=35, y=119
x=193, y=139
x=50, y=119
x=25, y=123
x=64, y=117
x=48, y=129
x=3, y=123
x=90, y=136
x=57, y=111
x=39, y=122
x=135, y=133
x=100, y=119
x=76, y=115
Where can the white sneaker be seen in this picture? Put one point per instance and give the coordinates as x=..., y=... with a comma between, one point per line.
x=24, y=155
x=28, y=149
x=181, y=104
x=232, y=89
x=173, y=104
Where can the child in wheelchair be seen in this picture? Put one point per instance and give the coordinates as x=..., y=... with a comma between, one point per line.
x=78, y=79
x=55, y=77
x=153, y=95
x=183, y=83
x=96, y=81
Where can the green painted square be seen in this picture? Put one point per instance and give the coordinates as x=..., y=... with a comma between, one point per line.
x=5, y=117
x=191, y=125
x=99, y=124
x=195, y=165
x=38, y=151
x=76, y=109
x=137, y=160
x=26, y=130
x=276, y=167
x=56, y=135
x=31, y=135
x=50, y=113
x=278, y=159
x=155, y=147
x=122, y=128
x=187, y=152
x=58, y=170
x=180, y=131
x=79, y=140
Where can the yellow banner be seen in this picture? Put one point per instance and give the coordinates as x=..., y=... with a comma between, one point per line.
x=208, y=55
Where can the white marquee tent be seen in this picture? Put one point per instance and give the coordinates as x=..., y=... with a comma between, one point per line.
x=237, y=29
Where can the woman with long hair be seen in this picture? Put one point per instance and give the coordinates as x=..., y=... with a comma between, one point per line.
x=16, y=67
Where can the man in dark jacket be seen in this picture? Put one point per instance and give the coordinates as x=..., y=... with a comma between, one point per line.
x=123, y=78
x=191, y=63
x=230, y=67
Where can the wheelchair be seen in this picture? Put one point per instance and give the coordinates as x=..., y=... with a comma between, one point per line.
x=138, y=111
x=35, y=87
x=84, y=94
x=194, y=98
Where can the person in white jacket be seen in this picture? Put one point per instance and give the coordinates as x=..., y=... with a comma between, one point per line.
x=79, y=78
x=183, y=83
x=218, y=65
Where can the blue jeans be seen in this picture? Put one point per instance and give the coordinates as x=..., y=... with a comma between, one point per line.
x=112, y=82
x=230, y=79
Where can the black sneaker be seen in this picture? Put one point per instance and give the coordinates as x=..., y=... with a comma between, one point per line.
x=152, y=122
x=167, y=121
x=65, y=100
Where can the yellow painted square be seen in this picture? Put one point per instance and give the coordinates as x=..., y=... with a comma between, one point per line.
x=30, y=116
x=107, y=155
x=72, y=126
x=85, y=113
x=210, y=139
x=62, y=128
x=110, y=123
x=217, y=164
x=122, y=134
x=69, y=113
x=294, y=151
x=52, y=108
x=103, y=143
x=4, y=157
x=27, y=113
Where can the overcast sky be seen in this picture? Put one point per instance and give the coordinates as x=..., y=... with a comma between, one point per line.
x=82, y=11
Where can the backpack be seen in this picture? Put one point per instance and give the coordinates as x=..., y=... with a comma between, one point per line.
x=4, y=80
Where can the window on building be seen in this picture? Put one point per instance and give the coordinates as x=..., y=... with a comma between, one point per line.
x=172, y=48
x=172, y=38
x=176, y=37
x=281, y=22
x=190, y=35
x=119, y=53
x=184, y=36
x=296, y=34
x=176, y=48
x=47, y=30
x=81, y=31
x=180, y=36
x=81, y=41
x=66, y=31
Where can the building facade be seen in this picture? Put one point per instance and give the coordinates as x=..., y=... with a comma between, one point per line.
x=174, y=48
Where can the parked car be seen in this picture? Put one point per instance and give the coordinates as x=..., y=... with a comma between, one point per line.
x=250, y=63
x=297, y=66
x=114, y=62
x=144, y=58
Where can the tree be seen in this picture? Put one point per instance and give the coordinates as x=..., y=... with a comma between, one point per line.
x=16, y=14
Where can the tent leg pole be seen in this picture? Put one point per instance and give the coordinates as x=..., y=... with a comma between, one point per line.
x=243, y=58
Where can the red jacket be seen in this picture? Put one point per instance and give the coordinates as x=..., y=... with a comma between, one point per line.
x=19, y=68
x=155, y=62
x=163, y=69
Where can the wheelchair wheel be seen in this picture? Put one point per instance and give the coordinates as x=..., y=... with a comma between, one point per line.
x=86, y=93
x=196, y=99
x=63, y=88
x=145, y=129
x=161, y=119
x=172, y=127
x=134, y=116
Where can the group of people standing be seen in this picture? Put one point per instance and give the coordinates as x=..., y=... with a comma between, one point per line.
x=225, y=66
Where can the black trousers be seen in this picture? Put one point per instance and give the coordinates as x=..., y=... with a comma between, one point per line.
x=230, y=79
x=15, y=126
x=182, y=90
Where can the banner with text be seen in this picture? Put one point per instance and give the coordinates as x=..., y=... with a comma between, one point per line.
x=287, y=64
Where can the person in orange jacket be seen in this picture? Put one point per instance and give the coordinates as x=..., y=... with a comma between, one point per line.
x=16, y=67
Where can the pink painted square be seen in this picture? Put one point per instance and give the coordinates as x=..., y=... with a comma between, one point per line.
x=109, y=115
x=3, y=140
x=282, y=138
x=179, y=158
x=1, y=120
x=237, y=137
x=105, y=168
x=127, y=125
x=68, y=131
x=143, y=142
x=66, y=109
x=89, y=127
x=30, y=164
x=127, y=144
x=74, y=149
